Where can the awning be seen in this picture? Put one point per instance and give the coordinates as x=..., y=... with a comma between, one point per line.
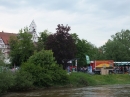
x=122, y=63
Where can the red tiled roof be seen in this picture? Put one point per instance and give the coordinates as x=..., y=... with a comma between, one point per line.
x=6, y=36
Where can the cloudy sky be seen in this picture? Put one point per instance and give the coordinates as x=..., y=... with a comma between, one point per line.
x=93, y=20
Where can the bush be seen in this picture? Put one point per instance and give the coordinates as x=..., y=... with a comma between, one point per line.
x=43, y=58
x=23, y=80
x=6, y=81
x=44, y=69
x=38, y=74
x=46, y=77
x=59, y=76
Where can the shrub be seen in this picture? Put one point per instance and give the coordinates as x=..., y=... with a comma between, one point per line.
x=23, y=80
x=46, y=76
x=6, y=81
x=59, y=76
x=44, y=69
x=39, y=74
x=43, y=58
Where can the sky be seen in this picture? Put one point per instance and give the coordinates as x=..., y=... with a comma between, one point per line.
x=92, y=20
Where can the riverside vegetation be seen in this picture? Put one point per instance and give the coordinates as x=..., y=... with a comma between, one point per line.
x=41, y=71
x=22, y=80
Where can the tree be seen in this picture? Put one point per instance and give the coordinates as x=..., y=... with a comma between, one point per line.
x=84, y=48
x=21, y=47
x=62, y=44
x=1, y=59
x=118, y=47
x=42, y=40
x=75, y=37
x=100, y=53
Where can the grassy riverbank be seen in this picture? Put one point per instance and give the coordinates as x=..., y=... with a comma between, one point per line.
x=83, y=79
x=22, y=82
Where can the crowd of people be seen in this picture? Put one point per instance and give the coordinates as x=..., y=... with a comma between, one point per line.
x=85, y=69
x=121, y=69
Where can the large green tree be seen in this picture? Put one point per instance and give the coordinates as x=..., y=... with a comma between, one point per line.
x=21, y=47
x=42, y=40
x=118, y=47
x=62, y=44
x=85, y=48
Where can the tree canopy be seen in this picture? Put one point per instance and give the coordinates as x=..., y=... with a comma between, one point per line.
x=1, y=59
x=84, y=48
x=118, y=47
x=62, y=44
x=42, y=40
x=21, y=47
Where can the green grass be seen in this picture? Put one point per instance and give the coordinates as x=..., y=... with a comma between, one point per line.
x=112, y=79
x=83, y=79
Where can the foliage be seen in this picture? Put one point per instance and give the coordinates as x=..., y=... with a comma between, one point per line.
x=84, y=48
x=44, y=58
x=100, y=54
x=40, y=75
x=42, y=40
x=44, y=69
x=46, y=77
x=62, y=44
x=6, y=81
x=21, y=47
x=59, y=76
x=1, y=59
x=12, y=81
x=23, y=80
x=75, y=37
x=118, y=48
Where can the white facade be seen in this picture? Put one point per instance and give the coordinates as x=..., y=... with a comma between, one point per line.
x=4, y=39
x=3, y=47
x=33, y=31
x=4, y=50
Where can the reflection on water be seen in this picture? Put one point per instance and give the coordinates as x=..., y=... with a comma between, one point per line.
x=91, y=91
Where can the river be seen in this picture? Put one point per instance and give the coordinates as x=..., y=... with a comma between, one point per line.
x=90, y=91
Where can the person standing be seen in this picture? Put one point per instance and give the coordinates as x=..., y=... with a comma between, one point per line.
x=129, y=70
x=68, y=69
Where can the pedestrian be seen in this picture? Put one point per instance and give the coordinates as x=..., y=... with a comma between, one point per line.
x=129, y=70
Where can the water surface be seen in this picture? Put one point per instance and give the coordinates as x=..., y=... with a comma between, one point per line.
x=91, y=91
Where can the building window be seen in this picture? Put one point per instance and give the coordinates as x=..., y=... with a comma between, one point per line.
x=0, y=41
x=2, y=45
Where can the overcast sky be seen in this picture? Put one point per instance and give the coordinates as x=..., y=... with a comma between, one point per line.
x=93, y=20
